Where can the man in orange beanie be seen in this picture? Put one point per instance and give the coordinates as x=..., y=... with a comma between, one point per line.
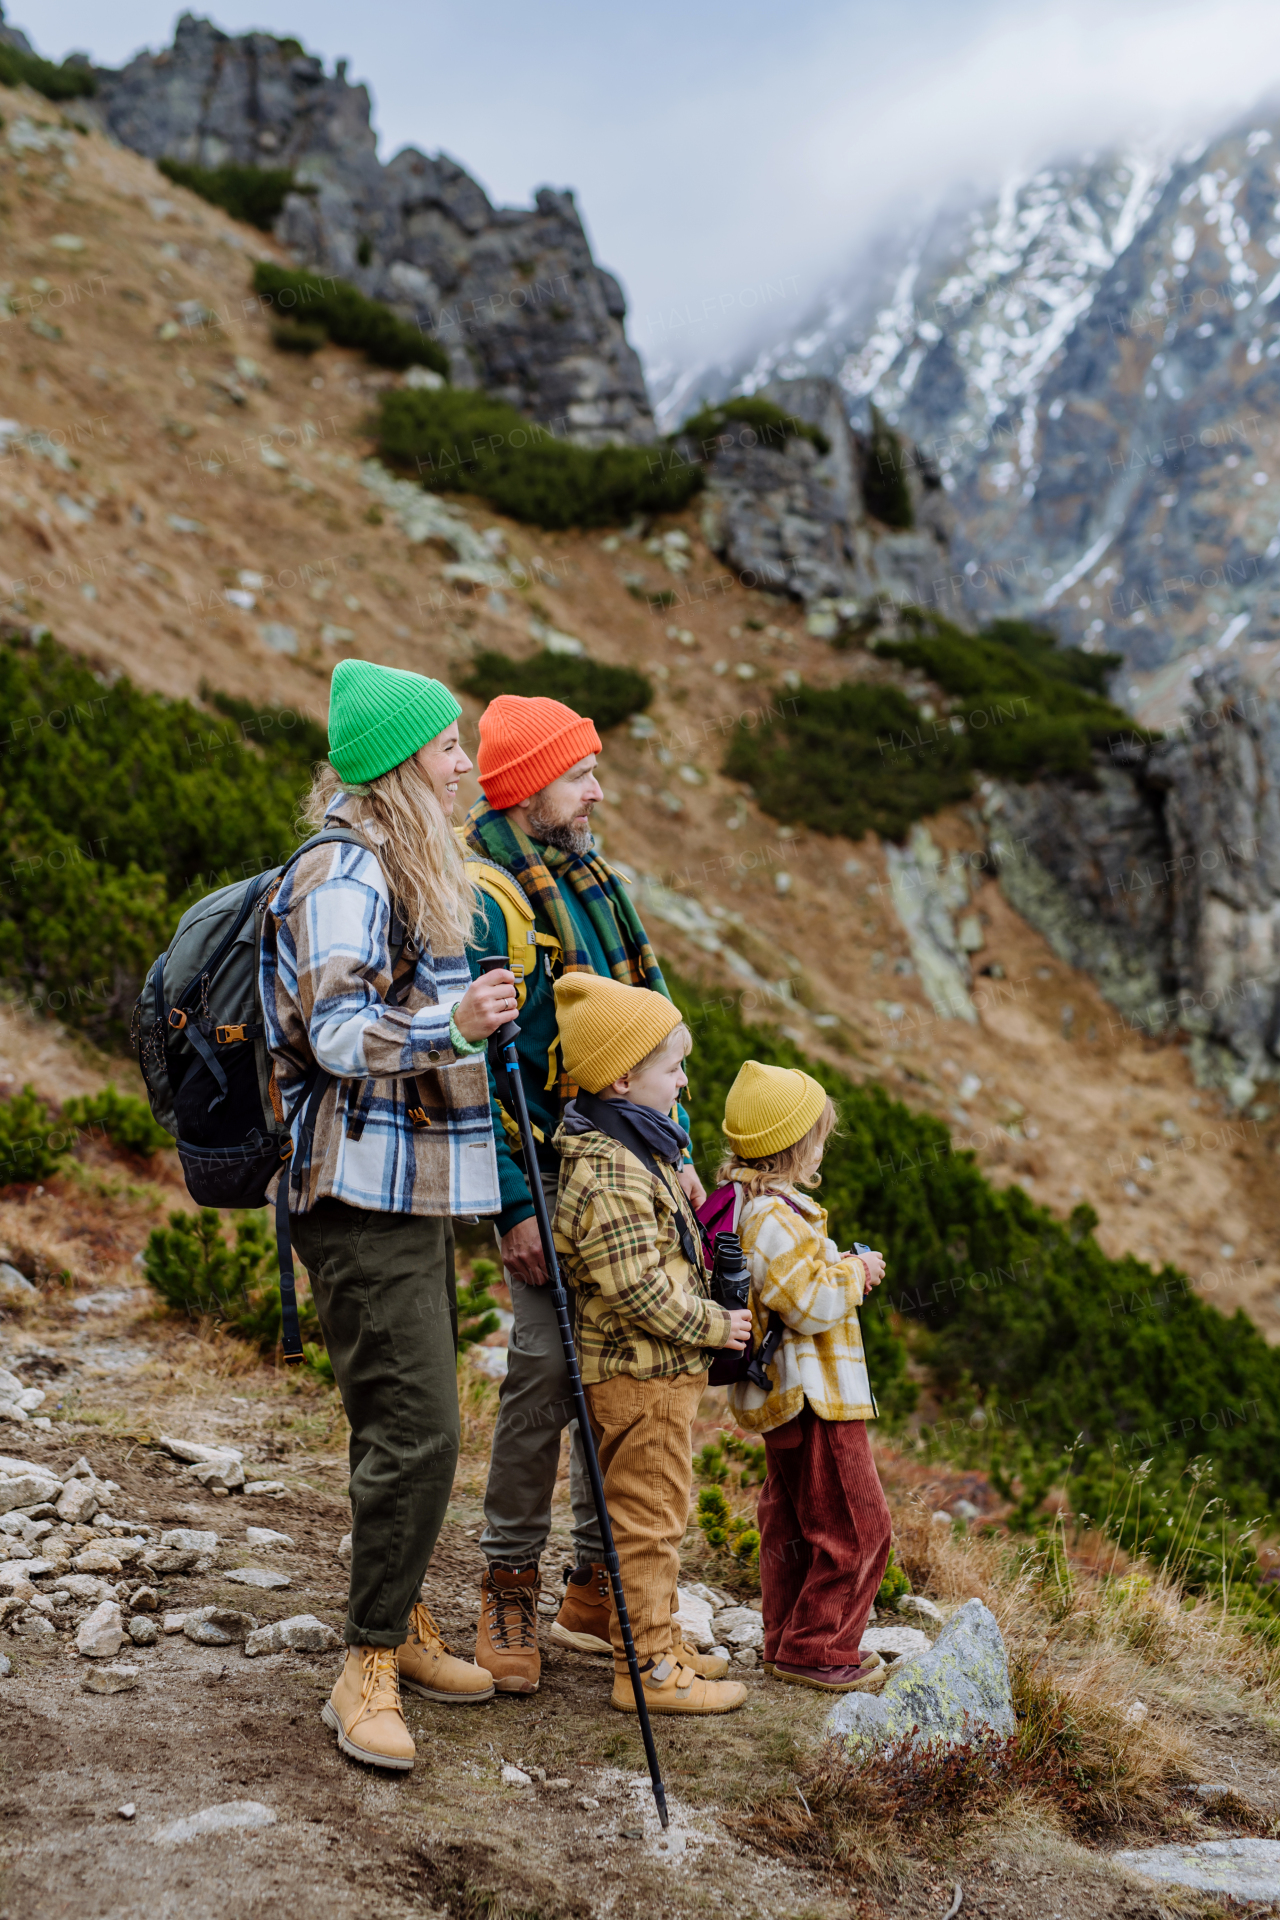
x=553, y=904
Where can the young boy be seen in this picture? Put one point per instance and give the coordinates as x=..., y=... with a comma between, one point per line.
x=824, y=1521
x=630, y=1249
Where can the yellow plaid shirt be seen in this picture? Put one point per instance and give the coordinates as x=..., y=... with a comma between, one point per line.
x=797, y=1272
x=638, y=1306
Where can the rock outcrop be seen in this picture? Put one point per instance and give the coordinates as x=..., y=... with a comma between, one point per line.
x=955, y=1693
x=512, y=295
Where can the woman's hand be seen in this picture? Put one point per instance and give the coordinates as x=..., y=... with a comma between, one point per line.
x=740, y=1321
x=486, y=1003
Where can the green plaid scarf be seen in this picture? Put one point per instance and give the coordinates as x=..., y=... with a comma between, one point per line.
x=495, y=836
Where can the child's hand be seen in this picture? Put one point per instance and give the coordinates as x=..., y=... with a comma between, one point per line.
x=740, y=1321
x=874, y=1264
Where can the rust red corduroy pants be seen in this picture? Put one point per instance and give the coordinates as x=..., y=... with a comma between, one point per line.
x=824, y=1540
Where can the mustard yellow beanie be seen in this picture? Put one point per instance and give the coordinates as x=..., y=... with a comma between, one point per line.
x=770, y=1108
x=607, y=1027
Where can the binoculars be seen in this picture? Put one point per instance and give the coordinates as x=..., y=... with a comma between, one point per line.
x=731, y=1289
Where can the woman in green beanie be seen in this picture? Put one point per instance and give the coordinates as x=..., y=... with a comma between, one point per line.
x=364, y=973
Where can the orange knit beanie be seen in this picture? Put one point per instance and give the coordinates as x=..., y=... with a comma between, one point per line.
x=526, y=744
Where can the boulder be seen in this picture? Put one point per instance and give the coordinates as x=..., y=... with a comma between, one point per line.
x=169, y=1560
x=86, y=1586
x=145, y=1600
x=110, y=1679
x=265, y=1486
x=34, y=1626
x=740, y=1627
x=896, y=1643
x=344, y=1548
x=303, y=1633
x=218, y=1626
x=1247, y=1870
x=256, y=1577
x=15, y=1578
x=224, y=1818
x=957, y=1691
x=224, y=1474
x=15, y=1289
x=6, y=1666
x=17, y=1401
x=97, y=1560
x=143, y=1630
x=189, y=1540
x=173, y=1623
x=922, y=1608
x=28, y=1488
x=693, y=1617
x=78, y=1502
x=193, y=1451
x=266, y=1537
x=101, y=1635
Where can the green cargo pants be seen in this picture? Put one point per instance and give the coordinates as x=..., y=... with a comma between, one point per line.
x=384, y=1293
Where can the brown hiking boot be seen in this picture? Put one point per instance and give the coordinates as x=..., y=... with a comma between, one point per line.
x=427, y=1666
x=712, y=1666
x=672, y=1687
x=583, y=1621
x=507, y=1640
x=870, y=1674
x=364, y=1710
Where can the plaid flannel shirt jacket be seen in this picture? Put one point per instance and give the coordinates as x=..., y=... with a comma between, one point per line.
x=324, y=979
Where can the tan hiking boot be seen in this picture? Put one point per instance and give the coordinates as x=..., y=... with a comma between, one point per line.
x=672, y=1687
x=364, y=1710
x=507, y=1639
x=583, y=1621
x=711, y=1666
x=427, y=1666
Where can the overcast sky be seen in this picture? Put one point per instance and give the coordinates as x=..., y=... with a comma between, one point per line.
x=719, y=147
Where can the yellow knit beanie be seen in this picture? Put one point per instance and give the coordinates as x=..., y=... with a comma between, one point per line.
x=607, y=1027
x=770, y=1108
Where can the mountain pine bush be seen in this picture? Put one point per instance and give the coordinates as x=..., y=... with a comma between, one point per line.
x=467, y=442
x=348, y=316
x=885, y=493
x=255, y=195
x=197, y=1271
x=117, y=810
x=33, y=1145
x=125, y=1120
x=858, y=756
x=64, y=82
x=750, y=415
x=609, y=694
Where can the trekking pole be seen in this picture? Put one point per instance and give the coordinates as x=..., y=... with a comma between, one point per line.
x=503, y=1044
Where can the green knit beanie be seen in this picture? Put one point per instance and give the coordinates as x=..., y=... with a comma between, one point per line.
x=379, y=716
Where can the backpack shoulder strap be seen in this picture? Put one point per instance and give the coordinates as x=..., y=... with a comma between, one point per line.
x=523, y=937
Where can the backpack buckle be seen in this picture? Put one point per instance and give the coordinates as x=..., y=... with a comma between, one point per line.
x=225, y=1036
x=177, y=1018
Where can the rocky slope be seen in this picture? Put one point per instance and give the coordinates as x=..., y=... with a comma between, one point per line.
x=1091, y=363
x=511, y=294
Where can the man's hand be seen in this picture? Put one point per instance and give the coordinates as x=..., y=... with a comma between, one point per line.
x=522, y=1256
x=740, y=1321
x=486, y=1003
x=874, y=1264
x=695, y=1192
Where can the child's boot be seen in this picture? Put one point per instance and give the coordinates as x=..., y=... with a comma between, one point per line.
x=711, y=1666
x=672, y=1687
x=867, y=1677
x=583, y=1621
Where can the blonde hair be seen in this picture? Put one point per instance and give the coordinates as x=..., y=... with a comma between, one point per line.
x=679, y=1031
x=794, y=1166
x=416, y=847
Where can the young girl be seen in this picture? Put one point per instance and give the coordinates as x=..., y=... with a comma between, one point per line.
x=824, y=1523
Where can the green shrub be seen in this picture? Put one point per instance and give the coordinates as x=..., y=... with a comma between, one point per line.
x=255, y=195
x=727, y=1532
x=858, y=756
x=32, y=1144
x=477, y=1317
x=608, y=695
x=771, y=426
x=179, y=801
x=65, y=82
x=1066, y=1347
x=466, y=442
x=298, y=336
x=125, y=1120
x=348, y=316
x=834, y=759
x=894, y=1584
x=885, y=493
x=194, y=1270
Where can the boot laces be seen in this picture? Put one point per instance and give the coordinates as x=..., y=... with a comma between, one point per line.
x=379, y=1681
x=512, y=1616
x=424, y=1628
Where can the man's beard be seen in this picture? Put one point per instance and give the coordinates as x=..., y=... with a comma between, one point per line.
x=557, y=833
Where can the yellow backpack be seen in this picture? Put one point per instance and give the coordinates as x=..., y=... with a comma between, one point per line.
x=523, y=938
